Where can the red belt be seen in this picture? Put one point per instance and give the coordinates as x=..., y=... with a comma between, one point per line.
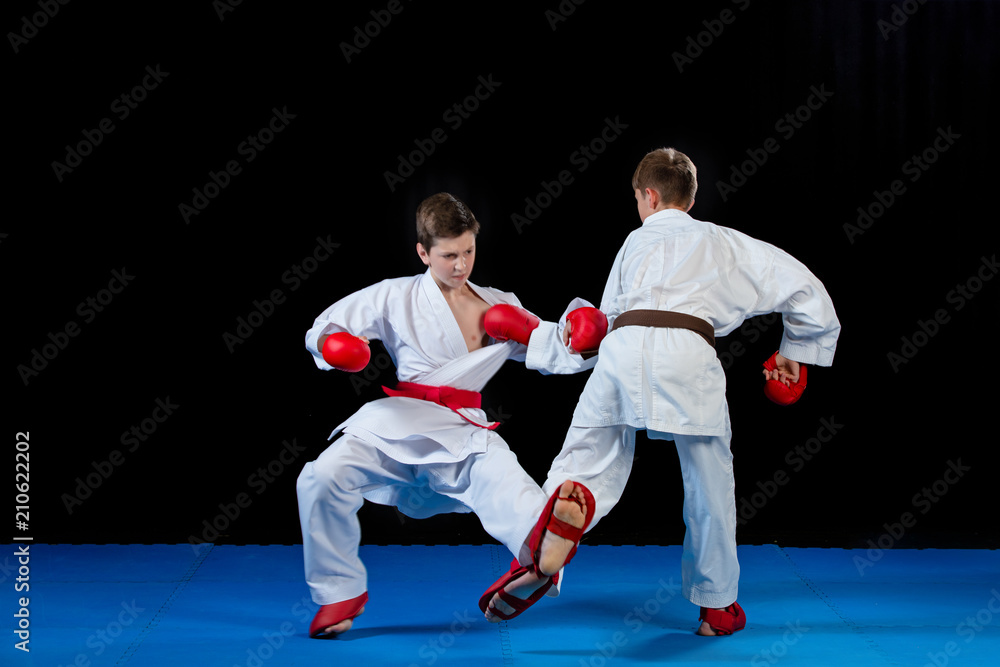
x=449, y=397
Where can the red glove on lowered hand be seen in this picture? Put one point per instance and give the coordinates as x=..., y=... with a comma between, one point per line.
x=346, y=352
x=777, y=391
x=506, y=322
x=587, y=328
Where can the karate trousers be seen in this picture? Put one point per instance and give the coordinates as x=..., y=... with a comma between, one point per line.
x=601, y=458
x=330, y=492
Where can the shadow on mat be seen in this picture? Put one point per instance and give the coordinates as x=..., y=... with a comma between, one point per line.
x=431, y=629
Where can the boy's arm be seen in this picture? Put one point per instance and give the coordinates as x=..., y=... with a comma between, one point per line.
x=811, y=327
x=551, y=349
x=549, y=354
x=354, y=314
x=810, y=331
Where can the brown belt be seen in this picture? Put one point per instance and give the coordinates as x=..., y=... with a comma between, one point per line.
x=667, y=319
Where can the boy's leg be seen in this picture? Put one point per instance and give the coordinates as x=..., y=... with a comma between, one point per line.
x=709, y=567
x=508, y=502
x=600, y=458
x=497, y=489
x=329, y=494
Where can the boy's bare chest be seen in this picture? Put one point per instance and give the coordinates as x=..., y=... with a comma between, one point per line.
x=469, y=314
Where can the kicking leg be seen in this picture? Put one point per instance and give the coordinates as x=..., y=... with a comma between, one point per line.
x=508, y=502
x=600, y=458
x=558, y=542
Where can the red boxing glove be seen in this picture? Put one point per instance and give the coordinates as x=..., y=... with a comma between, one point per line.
x=506, y=322
x=777, y=391
x=346, y=352
x=589, y=326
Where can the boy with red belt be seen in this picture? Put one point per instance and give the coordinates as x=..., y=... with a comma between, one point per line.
x=429, y=448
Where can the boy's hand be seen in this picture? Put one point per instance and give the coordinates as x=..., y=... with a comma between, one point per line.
x=785, y=379
x=346, y=352
x=585, y=329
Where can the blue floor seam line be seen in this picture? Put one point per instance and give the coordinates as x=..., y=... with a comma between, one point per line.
x=812, y=586
x=203, y=552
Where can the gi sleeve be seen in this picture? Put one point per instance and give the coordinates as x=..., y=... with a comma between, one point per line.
x=546, y=352
x=811, y=327
x=356, y=314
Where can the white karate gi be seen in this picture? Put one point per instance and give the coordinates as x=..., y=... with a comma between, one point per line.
x=419, y=456
x=671, y=383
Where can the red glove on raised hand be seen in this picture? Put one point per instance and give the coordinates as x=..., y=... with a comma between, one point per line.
x=778, y=391
x=346, y=352
x=506, y=322
x=587, y=328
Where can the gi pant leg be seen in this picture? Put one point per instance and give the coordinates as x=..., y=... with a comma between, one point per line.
x=600, y=458
x=330, y=494
x=710, y=571
x=496, y=488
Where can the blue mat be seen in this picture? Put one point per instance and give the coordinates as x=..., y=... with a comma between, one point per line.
x=247, y=606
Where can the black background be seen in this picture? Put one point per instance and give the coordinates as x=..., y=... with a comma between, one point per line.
x=892, y=90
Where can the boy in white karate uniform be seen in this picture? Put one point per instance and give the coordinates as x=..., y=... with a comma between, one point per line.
x=676, y=284
x=428, y=448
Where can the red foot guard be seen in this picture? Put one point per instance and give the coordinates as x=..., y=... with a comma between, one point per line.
x=724, y=621
x=331, y=614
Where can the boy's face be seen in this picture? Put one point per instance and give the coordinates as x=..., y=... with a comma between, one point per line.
x=450, y=259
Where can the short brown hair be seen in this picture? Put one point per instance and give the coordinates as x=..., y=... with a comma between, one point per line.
x=669, y=172
x=443, y=216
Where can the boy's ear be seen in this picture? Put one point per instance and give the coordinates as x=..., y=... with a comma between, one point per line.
x=653, y=197
x=422, y=253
